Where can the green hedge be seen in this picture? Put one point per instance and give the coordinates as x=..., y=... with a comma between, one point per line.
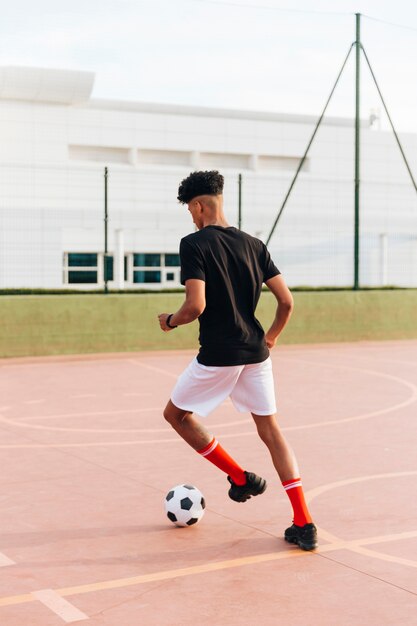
x=75, y=324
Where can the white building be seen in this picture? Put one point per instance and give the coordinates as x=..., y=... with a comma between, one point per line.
x=56, y=141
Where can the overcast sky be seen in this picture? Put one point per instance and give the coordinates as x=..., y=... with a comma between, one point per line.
x=272, y=55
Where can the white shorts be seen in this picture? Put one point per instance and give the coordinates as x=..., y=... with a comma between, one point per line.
x=201, y=388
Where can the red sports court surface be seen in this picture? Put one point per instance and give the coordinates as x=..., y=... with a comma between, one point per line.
x=86, y=461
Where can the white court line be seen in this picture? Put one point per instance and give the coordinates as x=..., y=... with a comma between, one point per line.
x=87, y=414
x=370, y=356
x=61, y=607
x=24, y=424
x=4, y=560
x=357, y=545
x=153, y=368
x=410, y=400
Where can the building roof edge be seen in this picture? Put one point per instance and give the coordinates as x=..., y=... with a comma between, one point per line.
x=203, y=111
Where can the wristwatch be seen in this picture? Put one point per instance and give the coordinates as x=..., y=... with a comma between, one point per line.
x=168, y=321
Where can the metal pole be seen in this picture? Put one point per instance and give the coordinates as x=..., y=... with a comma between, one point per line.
x=357, y=151
x=106, y=219
x=239, y=218
x=383, y=243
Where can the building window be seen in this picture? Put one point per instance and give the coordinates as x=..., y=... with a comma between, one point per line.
x=108, y=267
x=84, y=277
x=154, y=269
x=81, y=268
x=172, y=260
x=141, y=262
x=82, y=259
x=146, y=260
x=146, y=276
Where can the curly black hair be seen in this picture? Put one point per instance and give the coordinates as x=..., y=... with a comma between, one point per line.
x=200, y=184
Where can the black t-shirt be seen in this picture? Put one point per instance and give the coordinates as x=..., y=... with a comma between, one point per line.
x=233, y=265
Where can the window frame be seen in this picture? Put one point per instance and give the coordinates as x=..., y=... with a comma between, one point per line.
x=130, y=268
x=98, y=268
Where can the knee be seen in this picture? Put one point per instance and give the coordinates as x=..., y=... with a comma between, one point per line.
x=168, y=416
x=173, y=416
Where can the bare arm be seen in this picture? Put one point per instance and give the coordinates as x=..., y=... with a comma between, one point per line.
x=193, y=306
x=284, y=309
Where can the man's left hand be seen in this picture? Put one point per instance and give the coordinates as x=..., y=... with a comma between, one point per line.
x=270, y=341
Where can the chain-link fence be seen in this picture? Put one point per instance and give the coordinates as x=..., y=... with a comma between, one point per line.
x=52, y=227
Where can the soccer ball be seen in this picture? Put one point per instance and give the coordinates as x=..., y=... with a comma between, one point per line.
x=184, y=505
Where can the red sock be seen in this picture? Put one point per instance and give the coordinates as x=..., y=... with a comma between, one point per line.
x=214, y=453
x=295, y=493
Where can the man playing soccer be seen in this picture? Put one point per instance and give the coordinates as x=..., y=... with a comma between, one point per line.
x=223, y=270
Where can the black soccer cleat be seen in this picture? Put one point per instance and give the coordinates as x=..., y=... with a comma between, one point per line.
x=254, y=486
x=304, y=536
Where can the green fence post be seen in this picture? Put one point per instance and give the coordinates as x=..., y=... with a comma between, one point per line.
x=357, y=151
x=106, y=220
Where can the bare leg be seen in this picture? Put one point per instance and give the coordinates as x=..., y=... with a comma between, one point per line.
x=282, y=454
x=187, y=426
x=194, y=433
x=286, y=465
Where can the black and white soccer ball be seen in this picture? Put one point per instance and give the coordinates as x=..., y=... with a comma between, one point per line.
x=184, y=505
